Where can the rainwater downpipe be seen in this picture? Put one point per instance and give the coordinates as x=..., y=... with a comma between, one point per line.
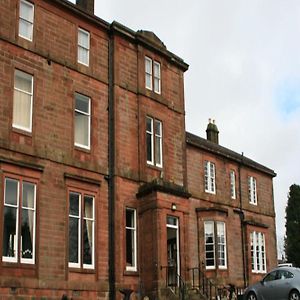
x=242, y=217
x=111, y=170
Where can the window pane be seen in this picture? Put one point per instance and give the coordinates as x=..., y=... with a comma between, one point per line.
x=88, y=207
x=82, y=129
x=157, y=127
x=156, y=70
x=26, y=11
x=9, y=248
x=148, y=81
x=27, y=233
x=158, y=150
x=73, y=240
x=28, y=195
x=11, y=192
x=129, y=218
x=129, y=247
x=88, y=237
x=82, y=103
x=83, y=55
x=25, y=29
x=149, y=123
x=74, y=204
x=22, y=109
x=83, y=39
x=149, y=147
x=148, y=65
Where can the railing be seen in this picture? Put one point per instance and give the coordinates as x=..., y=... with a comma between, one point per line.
x=174, y=281
x=210, y=290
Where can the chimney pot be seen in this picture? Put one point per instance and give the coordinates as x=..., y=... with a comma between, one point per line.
x=212, y=132
x=86, y=5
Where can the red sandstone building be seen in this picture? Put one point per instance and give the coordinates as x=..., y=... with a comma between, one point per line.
x=101, y=186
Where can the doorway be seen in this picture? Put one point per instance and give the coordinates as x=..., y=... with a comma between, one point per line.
x=173, y=251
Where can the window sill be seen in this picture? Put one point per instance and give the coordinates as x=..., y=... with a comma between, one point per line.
x=130, y=273
x=22, y=131
x=82, y=271
x=154, y=167
x=82, y=149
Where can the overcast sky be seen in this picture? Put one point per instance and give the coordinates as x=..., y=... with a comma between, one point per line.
x=244, y=59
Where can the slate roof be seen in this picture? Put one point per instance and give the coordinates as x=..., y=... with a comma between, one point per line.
x=216, y=149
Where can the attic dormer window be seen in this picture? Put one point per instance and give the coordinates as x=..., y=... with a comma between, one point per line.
x=152, y=75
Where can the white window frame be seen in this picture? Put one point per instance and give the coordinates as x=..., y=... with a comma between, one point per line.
x=30, y=77
x=258, y=252
x=31, y=22
x=206, y=224
x=148, y=75
x=157, y=77
x=17, y=247
x=252, y=188
x=88, y=114
x=232, y=185
x=155, y=138
x=81, y=219
x=210, y=177
x=151, y=76
x=176, y=227
x=133, y=229
x=87, y=49
x=219, y=244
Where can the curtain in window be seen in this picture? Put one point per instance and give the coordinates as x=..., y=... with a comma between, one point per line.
x=28, y=215
x=22, y=100
x=88, y=230
x=9, y=248
x=83, y=47
x=74, y=228
x=82, y=120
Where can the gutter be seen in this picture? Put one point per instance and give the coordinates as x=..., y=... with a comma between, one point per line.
x=111, y=171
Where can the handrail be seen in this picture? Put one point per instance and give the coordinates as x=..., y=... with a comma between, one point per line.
x=211, y=290
x=174, y=281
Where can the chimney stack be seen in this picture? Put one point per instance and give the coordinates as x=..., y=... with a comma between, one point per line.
x=86, y=5
x=212, y=132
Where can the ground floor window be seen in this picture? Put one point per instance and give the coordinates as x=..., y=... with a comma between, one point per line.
x=131, y=243
x=215, y=245
x=19, y=221
x=258, y=253
x=81, y=230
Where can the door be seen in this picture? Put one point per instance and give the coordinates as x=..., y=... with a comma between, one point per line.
x=173, y=251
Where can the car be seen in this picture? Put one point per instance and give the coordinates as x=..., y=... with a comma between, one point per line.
x=282, y=283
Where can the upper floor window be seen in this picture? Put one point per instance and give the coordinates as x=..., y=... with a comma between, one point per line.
x=82, y=121
x=252, y=190
x=23, y=101
x=210, y=177
x=215, y=245
x=83, y=46
x=19, y=228
x=232, y=185
x=81, y=230
x=258, y=253
x=154, y=141
x=152, y=75
x=26, y=20
x=131, y=243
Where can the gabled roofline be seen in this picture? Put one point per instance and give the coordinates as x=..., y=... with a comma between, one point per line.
x=218, y=150
x=139, y=37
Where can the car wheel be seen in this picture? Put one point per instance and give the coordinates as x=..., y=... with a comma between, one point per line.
x=294, y=295
x=252, y=296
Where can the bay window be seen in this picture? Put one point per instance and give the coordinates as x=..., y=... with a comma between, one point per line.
x=81, y=230
x=215, y=245
x=258, y=252
x=19, y=226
